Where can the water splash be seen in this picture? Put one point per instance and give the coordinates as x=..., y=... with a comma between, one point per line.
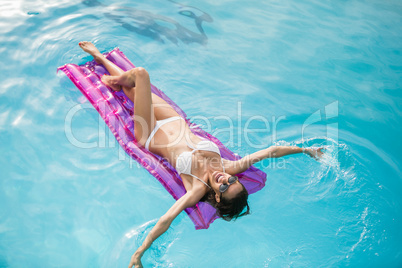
x=132, y=239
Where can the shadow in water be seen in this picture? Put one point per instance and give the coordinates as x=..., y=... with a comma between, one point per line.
x=156, y=26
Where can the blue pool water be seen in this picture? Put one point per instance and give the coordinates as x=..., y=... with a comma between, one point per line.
x=302, y=72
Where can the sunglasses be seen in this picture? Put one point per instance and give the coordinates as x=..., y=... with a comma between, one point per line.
x=224, y=187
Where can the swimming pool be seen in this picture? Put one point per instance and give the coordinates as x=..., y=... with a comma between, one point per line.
x=328, y=72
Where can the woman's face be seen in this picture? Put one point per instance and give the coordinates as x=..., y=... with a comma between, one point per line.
x=217, y=178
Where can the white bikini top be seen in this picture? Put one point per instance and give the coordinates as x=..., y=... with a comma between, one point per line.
x=184, y=161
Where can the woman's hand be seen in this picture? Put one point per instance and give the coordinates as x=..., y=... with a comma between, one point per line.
x=135, y=260
x=314, y=152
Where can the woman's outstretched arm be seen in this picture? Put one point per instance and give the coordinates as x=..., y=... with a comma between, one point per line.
x=234, y=167
x=188, y=200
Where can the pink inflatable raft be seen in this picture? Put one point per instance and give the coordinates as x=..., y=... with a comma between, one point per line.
x=116, y=109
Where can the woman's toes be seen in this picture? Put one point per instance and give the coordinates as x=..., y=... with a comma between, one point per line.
x=104, y=79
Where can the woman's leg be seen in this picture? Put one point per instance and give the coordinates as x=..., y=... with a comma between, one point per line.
x=99, y=58
x=136, y=83
x=110, y=66
x=144, y=118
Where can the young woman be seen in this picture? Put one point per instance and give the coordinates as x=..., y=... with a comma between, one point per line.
x=206, y=176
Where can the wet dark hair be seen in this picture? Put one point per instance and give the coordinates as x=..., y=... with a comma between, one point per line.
x=229, y=209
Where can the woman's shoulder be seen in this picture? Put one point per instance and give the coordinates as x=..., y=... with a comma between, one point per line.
x=195, y=194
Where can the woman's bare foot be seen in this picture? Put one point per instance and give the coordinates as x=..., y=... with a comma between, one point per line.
x=110, y=81
x=90, y=48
